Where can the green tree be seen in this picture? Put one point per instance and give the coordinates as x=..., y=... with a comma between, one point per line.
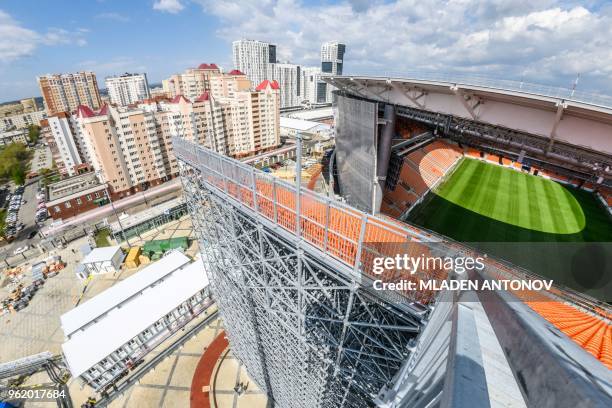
x=14, y=160
x=33, y=133
x=18, y=174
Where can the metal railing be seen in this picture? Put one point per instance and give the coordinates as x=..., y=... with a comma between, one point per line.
x=348, y=235
x=500, y=84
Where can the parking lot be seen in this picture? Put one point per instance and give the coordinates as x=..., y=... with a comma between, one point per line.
x=42, y=158
x=22, y=222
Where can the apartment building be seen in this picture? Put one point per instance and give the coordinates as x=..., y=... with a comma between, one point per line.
x=332, y=63
x=332, y=57
x=65, y=92
x=288, y=77
x=16, y=108
x=232, y=118
x=127, y=88
x=253, y=58
x=124, y=146
x=22, y=120
x=191, y=83
x=68, y=148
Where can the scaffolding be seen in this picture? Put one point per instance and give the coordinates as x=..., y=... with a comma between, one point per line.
x=295, y=297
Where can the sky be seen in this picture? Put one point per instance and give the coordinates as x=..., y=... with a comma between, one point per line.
x=540, y=41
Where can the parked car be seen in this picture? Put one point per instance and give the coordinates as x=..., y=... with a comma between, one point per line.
x=20, y=250
x=32, y=234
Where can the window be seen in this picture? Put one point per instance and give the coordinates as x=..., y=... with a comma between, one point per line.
x=88, y=197
x=97, y=194
x=56, y=208
x=78, y=201
x=67, y=204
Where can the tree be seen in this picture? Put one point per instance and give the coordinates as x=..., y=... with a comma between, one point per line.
x=14, y=162
x=33, y=133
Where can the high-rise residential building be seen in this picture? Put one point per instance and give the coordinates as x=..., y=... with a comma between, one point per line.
x=64, y=92
x=288, y=77
x=312, y=90
x=332, y=62
x=231, y=118
x=130, y=147
x=253, y=57
x=69, y=148
x=125, y=147
x=332, y=57
x=127, y=88
x=191, y=83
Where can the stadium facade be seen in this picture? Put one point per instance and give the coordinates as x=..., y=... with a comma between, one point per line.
x=291, y=271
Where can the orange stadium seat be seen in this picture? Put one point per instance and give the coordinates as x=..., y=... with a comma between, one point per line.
x=421, y=169
x=590, y=332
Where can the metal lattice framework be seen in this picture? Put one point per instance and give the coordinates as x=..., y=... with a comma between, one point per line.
x=299, y=318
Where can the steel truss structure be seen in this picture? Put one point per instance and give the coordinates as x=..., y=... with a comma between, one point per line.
x=300, y=320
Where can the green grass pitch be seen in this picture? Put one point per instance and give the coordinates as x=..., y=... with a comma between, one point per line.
x=546, y=227
x=485, y=202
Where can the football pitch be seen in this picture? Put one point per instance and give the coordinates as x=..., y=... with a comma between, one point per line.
x=536, y=223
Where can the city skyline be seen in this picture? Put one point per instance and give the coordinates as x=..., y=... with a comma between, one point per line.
x=486, y=39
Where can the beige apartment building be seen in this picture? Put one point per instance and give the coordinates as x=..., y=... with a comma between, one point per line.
x=191, y=83
x=231, y=118
x=65, y=92
x=130, y=147
x=125, y=147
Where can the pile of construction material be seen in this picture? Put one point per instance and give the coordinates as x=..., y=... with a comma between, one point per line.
x=19, y=298
x=21, y=295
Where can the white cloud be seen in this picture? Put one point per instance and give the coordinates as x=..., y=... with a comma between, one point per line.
x=15, y=40
x=169, y=6
x=547, y=40
x=18, y=42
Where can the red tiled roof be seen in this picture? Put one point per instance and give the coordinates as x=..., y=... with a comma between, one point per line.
x=235, y=72
x=103, y=110
x=208, y=66
x=178, y=98
x=204, y=97
x=266, y=83
x=84, y=111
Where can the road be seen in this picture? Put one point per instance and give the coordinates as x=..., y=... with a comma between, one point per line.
x=107, y=210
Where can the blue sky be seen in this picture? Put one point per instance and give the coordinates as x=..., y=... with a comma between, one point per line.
x=543, y=41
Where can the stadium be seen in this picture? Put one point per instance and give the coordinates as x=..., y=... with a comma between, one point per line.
x=517, y=174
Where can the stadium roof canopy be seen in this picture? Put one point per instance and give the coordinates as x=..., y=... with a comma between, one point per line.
x=559, y=114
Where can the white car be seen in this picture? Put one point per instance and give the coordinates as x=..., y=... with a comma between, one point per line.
x=20, y=250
